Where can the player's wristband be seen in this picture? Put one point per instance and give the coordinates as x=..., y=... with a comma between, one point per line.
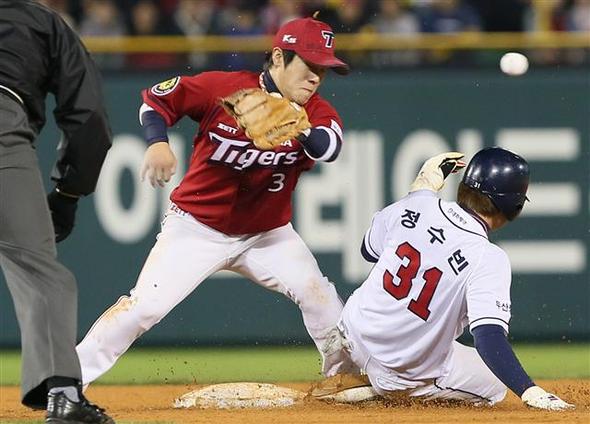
x=154, y=127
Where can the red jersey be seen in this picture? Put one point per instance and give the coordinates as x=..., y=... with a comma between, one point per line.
x=230, y=185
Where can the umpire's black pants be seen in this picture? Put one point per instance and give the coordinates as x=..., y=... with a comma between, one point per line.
x=43, y=290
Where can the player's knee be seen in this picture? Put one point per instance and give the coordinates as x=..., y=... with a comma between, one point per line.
x=498, y=394
x=317, y=292
x=60, y=278
x=69, y=281
x=147, y=315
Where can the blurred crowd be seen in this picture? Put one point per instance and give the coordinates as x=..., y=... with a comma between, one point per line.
x=257, y=17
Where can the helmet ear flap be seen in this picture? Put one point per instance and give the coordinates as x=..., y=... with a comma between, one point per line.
x=510, y=204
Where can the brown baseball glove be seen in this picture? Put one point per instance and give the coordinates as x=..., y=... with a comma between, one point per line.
x=268, y=119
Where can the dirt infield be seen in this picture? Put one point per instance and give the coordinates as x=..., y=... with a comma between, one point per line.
x=154, y=403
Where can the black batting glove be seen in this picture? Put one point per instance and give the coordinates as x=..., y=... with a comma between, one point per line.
x=63, y=213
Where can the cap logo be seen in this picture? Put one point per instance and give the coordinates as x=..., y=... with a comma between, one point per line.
x=329, y=37
x=289, y=39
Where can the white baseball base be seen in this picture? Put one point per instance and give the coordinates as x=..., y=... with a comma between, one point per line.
x=354, y=395
x=240, y=395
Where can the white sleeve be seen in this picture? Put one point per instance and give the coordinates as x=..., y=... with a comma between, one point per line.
x=374, y=240
x=488, y=290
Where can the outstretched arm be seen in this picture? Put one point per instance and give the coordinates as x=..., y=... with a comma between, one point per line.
x=495, y=350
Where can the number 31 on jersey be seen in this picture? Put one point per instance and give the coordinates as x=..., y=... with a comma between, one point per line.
x=406, y=275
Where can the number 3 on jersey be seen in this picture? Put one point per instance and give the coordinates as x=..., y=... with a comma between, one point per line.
x=277, y=182
x=406, y=275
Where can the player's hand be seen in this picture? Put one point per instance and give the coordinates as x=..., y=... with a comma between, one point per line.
x=159, y=164
x=536, y=397
x=63, y=213
x=434, y=171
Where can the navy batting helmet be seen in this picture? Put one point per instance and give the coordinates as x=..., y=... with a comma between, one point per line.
x=502, y=176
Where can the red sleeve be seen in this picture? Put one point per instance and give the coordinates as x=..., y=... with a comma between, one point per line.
x=323, y=114
x=179, y=96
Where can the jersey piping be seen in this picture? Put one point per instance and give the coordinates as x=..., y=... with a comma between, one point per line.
x=461, y=228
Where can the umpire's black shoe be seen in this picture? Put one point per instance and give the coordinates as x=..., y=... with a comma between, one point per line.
x=61, y=410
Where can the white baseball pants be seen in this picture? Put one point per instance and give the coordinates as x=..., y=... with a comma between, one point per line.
x=469, y=379
x=185, y=254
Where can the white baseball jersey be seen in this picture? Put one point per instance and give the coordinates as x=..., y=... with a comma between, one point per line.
x=436, y=273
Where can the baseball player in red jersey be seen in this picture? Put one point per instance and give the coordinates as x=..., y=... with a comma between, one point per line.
x=232, y=210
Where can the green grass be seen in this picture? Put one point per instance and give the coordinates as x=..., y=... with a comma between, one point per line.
x=267, y=364
x=203, y=365
x=555, y=361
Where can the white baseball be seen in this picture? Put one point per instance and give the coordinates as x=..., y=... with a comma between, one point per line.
x=514, y=64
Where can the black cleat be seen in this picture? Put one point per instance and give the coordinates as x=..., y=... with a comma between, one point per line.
x=61, y=410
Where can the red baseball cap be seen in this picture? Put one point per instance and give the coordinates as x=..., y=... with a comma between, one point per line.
x=313, y=41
